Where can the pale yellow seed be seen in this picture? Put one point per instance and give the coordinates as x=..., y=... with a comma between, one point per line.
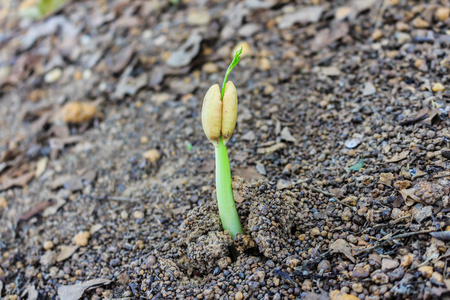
x=212, y=114
x=229, y=111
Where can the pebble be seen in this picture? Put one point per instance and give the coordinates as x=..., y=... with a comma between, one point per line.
x=198, y=17
x=420, y=23
x=389, y=264
x=361, y=272
x=152, y=155
x=124, y=215
x=437, y=277
x=210, y=68
x=53, y=75
x=3, y=202
x=426, y=271
x=315, y=232
x=239, y=296
x=438, y=87
x=442, y=13
x=78, y=112
x=377, y=34
x=82, y=238
x=48, y=245
x=144, y=140
x=138, y=214
x=402, y=37
x=352, y=152
x=264, y=64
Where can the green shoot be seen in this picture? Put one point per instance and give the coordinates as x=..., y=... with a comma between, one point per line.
x=225, y=199
x=237, y=57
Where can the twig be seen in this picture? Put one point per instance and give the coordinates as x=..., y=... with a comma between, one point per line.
x=408, y=234
x=396, y=237
x=113, y=198
x=321, y=191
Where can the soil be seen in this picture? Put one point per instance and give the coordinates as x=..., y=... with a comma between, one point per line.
x=340, y=155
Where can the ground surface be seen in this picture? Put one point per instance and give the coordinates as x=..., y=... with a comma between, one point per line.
x=340, y=153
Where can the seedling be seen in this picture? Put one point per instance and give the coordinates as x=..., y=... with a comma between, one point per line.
x=219, y=114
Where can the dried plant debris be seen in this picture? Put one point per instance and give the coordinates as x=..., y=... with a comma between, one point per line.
x=341, y=169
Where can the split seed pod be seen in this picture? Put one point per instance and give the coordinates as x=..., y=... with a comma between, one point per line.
x=219, y=117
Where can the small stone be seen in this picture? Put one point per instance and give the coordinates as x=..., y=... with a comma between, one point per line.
x=138, y=214
x=357, y=287
x=315, y=232
x=402, y=37
x=343, y=12
x=198, y=17
x=210, y=68
x=81, y=239
x=437, y=277
x=406, y=260
x=152, y=155
x=420, y=23
x=380, y=277
x=78, y=112
x=401, y=26
x=423, y=214
x=352, y=152
x=48, y=245
x=361, y=272
x=224, y=262
x=264, y=64
x=144, y=140
x=377, y=34
x=3, y=202
x=124, y=215
x=292, y=262
x=341, y=295
x=389, y=264
x=442, y=13
x=53, y=75
x=239, y=296
x=397, y=274
x=426, y=271
x=324, y=266
x=347, y=214
x=438, y=87
x=268, y=89
x=431, y=134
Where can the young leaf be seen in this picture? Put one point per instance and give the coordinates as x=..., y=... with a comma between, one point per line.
x=235, y=61
x=357, y=166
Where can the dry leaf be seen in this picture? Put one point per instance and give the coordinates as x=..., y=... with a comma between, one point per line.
x=248, y=173
x=75, y=292
x=18, y=181
x=409, y=197
x=66, y=252
x=309, y=14
x=33, y=294
x=184, y=55
x=341, y=246
x=35, y=210
x=398, y=156
x=287, y=136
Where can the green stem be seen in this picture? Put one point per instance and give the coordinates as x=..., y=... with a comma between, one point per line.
x=227, y=206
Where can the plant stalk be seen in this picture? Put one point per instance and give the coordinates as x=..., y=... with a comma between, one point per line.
x=225, y=199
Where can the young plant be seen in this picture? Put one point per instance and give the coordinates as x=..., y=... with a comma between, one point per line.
x=219, y=114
